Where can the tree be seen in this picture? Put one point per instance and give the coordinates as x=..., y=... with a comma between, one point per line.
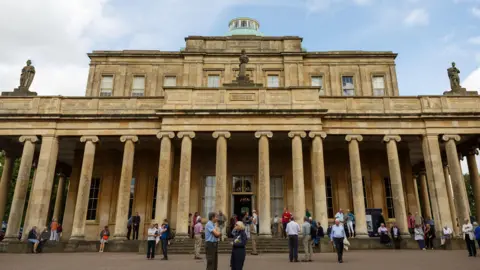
x=470, y=195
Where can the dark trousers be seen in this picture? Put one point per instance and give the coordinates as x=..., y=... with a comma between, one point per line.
x=478, y=243
x=150, y=249
x=238, y=258
x=293, y=247
x=339, y=247
x=164, y=248
x=472, y=250
x=135, y=232
x=129, y=232
x=211, y=250
x=428, y=242
x=284, y=233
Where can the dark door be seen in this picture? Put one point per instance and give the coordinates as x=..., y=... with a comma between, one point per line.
x=242, y=204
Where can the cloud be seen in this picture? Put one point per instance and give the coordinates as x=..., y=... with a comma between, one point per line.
x=417, y=17
x=476, y=11
x=314, y=6
x=472, y=81
x=474, y=40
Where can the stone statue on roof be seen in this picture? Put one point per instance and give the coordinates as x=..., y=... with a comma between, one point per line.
x=26, y=78
x=454, y=77
x=243, y=64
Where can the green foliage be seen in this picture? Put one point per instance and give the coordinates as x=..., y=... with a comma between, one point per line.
x=470, y=195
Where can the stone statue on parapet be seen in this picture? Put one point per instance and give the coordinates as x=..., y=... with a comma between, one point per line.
x=242, y=80
x=456, y=88
x=26, y=79
x=243, y=65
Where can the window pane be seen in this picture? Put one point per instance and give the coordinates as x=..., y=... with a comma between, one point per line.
x=389, y=198
x=364, y=192
x=154, y=203
x=170, y=81
x=329, y=192
x=213, y=81
x=317, y=81
x=276, y=196
x=272, y=81
x=209, y=195
x=93, y=199
x=348, y=86
x=378, y=82
x=132, y=193
x=107, y=82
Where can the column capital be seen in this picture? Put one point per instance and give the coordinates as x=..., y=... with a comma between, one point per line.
x=301, y=134
x=218, y=134
x=93, y=139
x=259, y=134
x=320, y=134
x=168, y=134
x=388, y=138
x=473, y=152
x=189, y=134
x=350, y=138
x=448, y=137
x=32, y=139
x=132, y=138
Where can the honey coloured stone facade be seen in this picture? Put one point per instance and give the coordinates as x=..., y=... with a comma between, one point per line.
x=158, y=133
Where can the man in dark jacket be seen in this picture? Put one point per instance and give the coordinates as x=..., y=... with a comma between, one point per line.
x=44, y=237
x=136, y=225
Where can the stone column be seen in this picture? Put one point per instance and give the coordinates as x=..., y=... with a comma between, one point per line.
x=427, y=210
x=298, y=178
x=436, y=182
x=8, y=163
x=357, y=186
x=29, y=201
x=184, y=183
x=320, y=211
x=73, y=181
x=264, y=181
x=417, y=196
x=474, y=179
x=451, y=201
x=221, y=193
x=458, y=183
x=396, y=182
x=42, y=187
x=123, y=198
x=21, y=186
x=80, y=216
x=164, y=176
x=59, y=198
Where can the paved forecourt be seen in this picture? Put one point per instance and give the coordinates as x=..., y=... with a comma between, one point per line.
x=394, y=260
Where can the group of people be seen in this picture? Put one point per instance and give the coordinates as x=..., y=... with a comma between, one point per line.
x=155, y=235
x=39, y=239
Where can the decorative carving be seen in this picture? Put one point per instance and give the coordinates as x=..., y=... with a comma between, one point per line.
x=448, y=137
x=357, y=138
x=396, y=138
x=259, y=134
x=168, y=134
x=182, y=134
x=293, y=134
x=320, y=134
x=129, y=138
x=225, y=134
x=93, y=139
x=242, y=97
x=32, y=139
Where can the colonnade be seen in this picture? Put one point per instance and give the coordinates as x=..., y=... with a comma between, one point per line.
x=443, y=202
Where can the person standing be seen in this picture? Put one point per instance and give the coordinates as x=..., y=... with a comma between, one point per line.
x=337, y=236
x=307, y=239
x=129, y=227
x=286, y=216
x=253, y=232
x=152, y=234
x=238, y=246
x=429, y=236
x=467, y=230
x=292, y=230
x=307, y=213
x=395, y=233
x=447, y=235
x=136, y=225
x=212, y=234
x=193, y=223
x=350, y=222
x=165, y=231
x=419, y=236
x=104, y=235
x=477, y=233
x=221, y=224
x=340, y=216
x=411, y=223
x=197, y=230
x=53, y=230
x=255, y=216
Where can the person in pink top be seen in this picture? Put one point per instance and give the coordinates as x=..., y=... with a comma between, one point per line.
x=411, y=224
x=197, y=231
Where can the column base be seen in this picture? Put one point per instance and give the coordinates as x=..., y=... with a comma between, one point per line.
x=11, y=239
x=265, y=236
x=76, y=238
x=182, y=235
x=405, y=236
x=120, y=238
x=362, y=236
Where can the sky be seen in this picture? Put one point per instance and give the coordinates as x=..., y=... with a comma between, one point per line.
x=57, y=34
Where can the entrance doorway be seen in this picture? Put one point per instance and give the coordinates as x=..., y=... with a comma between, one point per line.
x=241, y=205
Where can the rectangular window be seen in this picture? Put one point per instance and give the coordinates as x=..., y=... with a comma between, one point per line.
x=242, y=184
x=132, y=193
x=317, y=81
x=209, y=195
x=272, y=81
x=138, y=86
x=389, y=197
x=348, y=86
x=106, y=86
x=329, y=192
x=378, y=83
x=213, y=81
x=93, y=199
x=364, y=185
x=154, y=204
x=170, y=81
x=276, y=196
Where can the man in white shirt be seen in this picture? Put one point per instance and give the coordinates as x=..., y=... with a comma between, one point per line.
x=151, y=236
x=292, y=230
x=469, y=237
x=337, y=236
x=340, y=216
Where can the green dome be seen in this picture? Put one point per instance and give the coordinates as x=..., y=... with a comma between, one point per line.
x=244, y=27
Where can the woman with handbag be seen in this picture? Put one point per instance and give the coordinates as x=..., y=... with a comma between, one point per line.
x=238, y=246
x=104, y=235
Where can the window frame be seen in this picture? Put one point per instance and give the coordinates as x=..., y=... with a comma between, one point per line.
x=387, y=184
x=353, y=83
x=321, y=90
x=280, y=197
x=213, y=75
x=131, y=198
x=204, y=204
x=154, y=199
x=243, y=178
x=93, y=200
x=135, y=92
x=105, y=93
x=384, y=84
x=268, y=80
x=330, y=209
x=169, y=76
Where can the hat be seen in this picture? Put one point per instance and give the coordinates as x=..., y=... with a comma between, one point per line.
x=310, y=218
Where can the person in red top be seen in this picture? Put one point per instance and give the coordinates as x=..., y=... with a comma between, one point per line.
x=286, y=216
x=411, y=223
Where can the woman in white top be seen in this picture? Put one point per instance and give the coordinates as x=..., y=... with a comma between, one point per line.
x=152, y=234
x=469, y=237
x=419, y=236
